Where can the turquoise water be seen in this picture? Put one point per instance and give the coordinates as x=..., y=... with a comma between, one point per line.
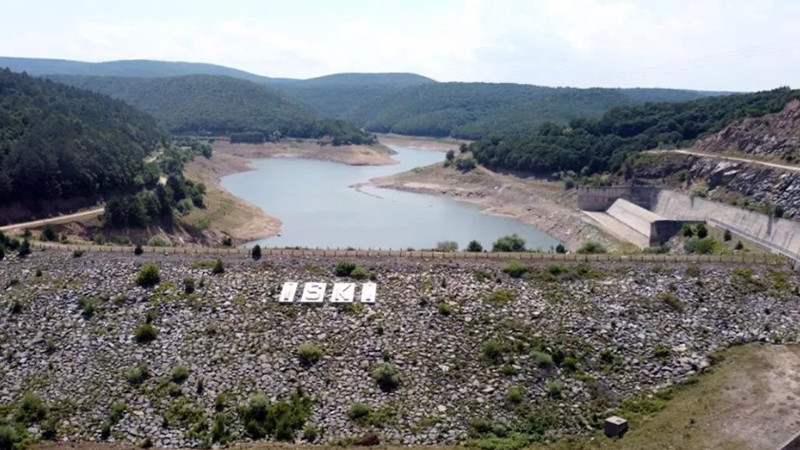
x=320, y=209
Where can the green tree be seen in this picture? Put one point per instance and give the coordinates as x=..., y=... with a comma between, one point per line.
x=702, y=231
x=256, y=252
x=474, y=246
x=510, y=243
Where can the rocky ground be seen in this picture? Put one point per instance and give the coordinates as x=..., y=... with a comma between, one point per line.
x=460, y=335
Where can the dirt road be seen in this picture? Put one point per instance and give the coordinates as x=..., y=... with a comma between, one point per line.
x=732, y=158
x=65, y=218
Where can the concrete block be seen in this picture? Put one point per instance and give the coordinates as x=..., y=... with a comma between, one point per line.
x=368, y=292
x=615, y=426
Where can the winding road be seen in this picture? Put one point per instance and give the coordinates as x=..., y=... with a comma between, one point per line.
x=732, y=158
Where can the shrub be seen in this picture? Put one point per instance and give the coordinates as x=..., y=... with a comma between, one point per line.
x=591, y=248
x=386, y=377
x=661, y=352
x=309, y=354
x=159, y=241
x=510, y=243
x=554, y=388
x=220, y=402
x=778, y=211
x=445, y=308
x=515, y=269
x=358, y=411
x=687, y=231
x=570, y=365
x=88, y=307
x=701, y=246
x=359, y=273
x=447, y=246
x=693, y=271
x=188, y=285
x=702, y=231
x=48, y=234
x=24, y=248
x=465, y=163
x=77, y=253
x=561, y=249
x=280, y=420
x=138, y=250
x=474, y=247
x=179, y=374
x=116, y=411
x=672, y=302
x=727, y=236
x=218, y=267
x=256, y=252
x=344, y=268
x=2, y=253
x=542, y=359
x=30, y=410
x=145, y=333
x=310, y=433
x=137, y=375
x=492, y=351
x=9, y=438
x=738, y=246
x=16, y=307
x=515, y=395
x=227, y=241
x=148, y=275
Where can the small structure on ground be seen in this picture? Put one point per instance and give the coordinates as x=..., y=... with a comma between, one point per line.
x=615, y=426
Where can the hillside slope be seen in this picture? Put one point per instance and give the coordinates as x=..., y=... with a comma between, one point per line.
x=774, y=135
x=125, y=68
x=57, y=141
x=207, y=104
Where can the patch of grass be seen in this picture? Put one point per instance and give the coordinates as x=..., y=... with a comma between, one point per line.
x=116, y=411
x=445, y=308
x=137, y=375
x=555, y=388
x=261, y=418
x=88, y=306
x=482, y=275
x=358, y=412
x=693, y=271
x=344, y=268
x=501, y=297
x=515, y=396
x=492, y=351
x=148, y=275
x=218, y=268
x=591, y=248
x=542, y=359
x=179, y=374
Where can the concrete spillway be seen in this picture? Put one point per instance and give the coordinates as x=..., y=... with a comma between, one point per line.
x=628, y=222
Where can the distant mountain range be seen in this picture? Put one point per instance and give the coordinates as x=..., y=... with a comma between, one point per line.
x=230, y=99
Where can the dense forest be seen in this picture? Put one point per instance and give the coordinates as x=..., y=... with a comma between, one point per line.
x=596, y=145
x=217, y=105
x=464, y=110
x=58, y=141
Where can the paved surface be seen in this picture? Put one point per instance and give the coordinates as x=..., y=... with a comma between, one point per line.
x=58, y=219
x=732, y=158
x=618, y=228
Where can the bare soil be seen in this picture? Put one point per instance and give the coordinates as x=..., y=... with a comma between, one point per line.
x=356, y=155
x=422, y=143
x=545, y=205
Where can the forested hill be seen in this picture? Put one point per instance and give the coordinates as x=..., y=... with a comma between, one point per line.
x=466, y=110
x=125, y=68
x=208, y=104
x=592, y=146
x=58, y=141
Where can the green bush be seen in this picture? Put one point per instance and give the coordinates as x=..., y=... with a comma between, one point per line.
x=727, y=236
x=344, y=268
x=77, y=253
x=116, y=411
x=88, y=306
x=188, y=285
x=309, y=354
x=542, y=359
x=501, y=297
x=358, y=411
x=218, y=267
x=10, y=439
x=385, y=375
x=256, y=252
x=672, y=302
x=591, y=248
x=359, y=273
x=492, y=351
x=445, y=308
x=465, y=163
x=145, y=333
x=561, y=249
x=138, y=250
x=179, y=374
x=700, y=246
x=24, y=248
x=661, y=352
x=48, y=234
x=686, y=231
x=446, y=246
x=515, y=395
x=554, y=388
x=280, y=420
x=137, y=375
x=510, y=243
x=702, y=231
x=570, y=364
x=474, y=247
x=148, y=275
x=515, y=269
x=310, y=433
x=30, y=410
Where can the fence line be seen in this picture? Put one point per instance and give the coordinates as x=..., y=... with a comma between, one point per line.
x=763, y=258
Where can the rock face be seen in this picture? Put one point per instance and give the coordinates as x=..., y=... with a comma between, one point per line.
x=773, y=135
x=460, y=335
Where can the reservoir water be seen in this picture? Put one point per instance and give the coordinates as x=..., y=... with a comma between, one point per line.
x=319, y=209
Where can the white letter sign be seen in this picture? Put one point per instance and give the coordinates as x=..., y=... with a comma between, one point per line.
x=313, y=293
x=288, y=291
x=343, y=292
x=368, y=291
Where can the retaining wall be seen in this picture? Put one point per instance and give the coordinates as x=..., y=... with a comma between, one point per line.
x=600, y=199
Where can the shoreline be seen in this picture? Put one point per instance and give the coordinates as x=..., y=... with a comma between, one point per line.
x=540, y=204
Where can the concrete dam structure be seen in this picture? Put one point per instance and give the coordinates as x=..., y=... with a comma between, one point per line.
x=649, y=216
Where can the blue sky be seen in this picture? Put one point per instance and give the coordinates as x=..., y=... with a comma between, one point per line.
x=699, y=44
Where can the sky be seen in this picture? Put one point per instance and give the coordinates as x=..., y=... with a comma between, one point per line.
x=723, y=45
